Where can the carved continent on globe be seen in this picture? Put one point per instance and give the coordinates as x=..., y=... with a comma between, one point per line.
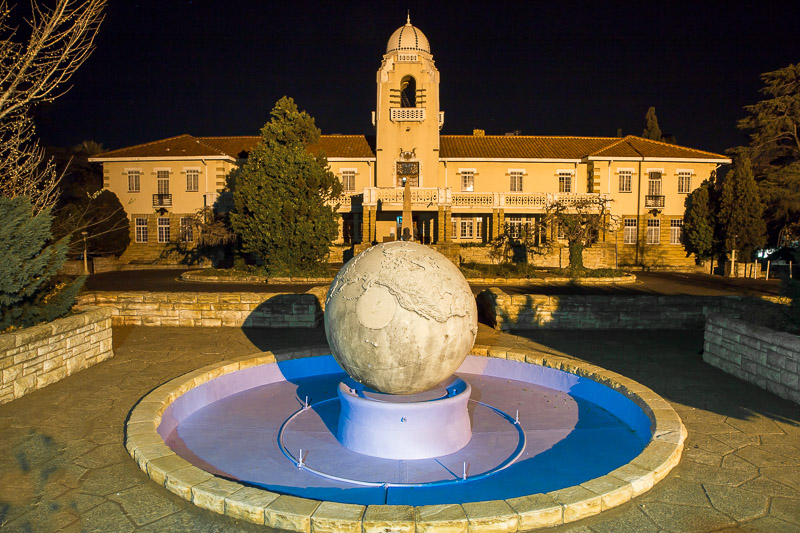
x=400, y=318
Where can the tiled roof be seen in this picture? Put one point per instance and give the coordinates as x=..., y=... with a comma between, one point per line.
x=451, y=147
x=519, y=146
x=540, y=147
x=344, y=146
x=632, y=146
x=180, y=146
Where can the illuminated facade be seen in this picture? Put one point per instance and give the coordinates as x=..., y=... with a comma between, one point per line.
x=464, y=188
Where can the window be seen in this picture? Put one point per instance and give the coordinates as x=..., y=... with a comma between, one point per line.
x=516, y=181
x=625, y=180
x=684, y=181
x=564, y=181
x=408, y=92
x=560, y=234
x=348, y=180
x=408, y=170
x=676, y=231
x=467, y=180
x=163, y=181
x=653, y=231
x=631, y=227
x=141, y=229
x=466, y=228
x=454, y=229
x=192, y=180
x=654, y=184
x=163, y=229
x=479, y=227
x=517, y=226
x=187, y=231
x=133, y=180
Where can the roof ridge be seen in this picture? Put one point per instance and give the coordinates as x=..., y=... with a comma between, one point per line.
x=228, y=136
x=662, y=143
x=612, y=145
x=216, y=148
x=530, y=136
x=147, y=143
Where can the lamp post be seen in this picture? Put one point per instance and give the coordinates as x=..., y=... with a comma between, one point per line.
x=85, y=258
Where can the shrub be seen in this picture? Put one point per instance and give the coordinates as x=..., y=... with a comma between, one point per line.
x=30, y=291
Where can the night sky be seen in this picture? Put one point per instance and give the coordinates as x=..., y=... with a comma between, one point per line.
x=216, y=67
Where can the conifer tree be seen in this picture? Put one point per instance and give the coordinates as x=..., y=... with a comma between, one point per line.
x=28, y=292
x=652, y=130
x=284, y=195
x=774, y=126
x=741, y=211
x=699, y=222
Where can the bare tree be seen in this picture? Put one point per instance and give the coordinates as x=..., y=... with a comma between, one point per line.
x=33, y=70
x=580, y=221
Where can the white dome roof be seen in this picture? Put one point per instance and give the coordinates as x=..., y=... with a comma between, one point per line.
x=408, y=37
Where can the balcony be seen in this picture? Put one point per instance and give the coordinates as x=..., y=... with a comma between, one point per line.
x=407, y=114
x=430, y=198
x=653, y=200
x=162, y=200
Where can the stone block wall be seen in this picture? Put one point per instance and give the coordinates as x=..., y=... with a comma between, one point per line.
x=759, y=355
x=534, y=311
x=209, y=309
x=35, y=357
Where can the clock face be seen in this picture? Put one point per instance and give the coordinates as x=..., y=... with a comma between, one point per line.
x=407, y=168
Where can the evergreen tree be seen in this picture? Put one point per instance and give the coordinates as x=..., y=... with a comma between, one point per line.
x=741, y=212
x=652, y=131
x=29, y=293
x=774, y=126
x=284, y=195
x=699, y=222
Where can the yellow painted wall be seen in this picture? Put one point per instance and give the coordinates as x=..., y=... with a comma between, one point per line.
x=212, y=178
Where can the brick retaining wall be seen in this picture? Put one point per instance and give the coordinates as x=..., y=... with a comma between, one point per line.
x=759, y=355
x=209, y=309
x=35, y=357
x=534, y=311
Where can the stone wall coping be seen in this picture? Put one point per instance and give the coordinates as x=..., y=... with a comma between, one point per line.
x=627, y=278
x=264, y=507
x=779, y=338
x=20, y=337
x=35, y=357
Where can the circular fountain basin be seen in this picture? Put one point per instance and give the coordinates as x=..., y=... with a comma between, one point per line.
x=581, y=437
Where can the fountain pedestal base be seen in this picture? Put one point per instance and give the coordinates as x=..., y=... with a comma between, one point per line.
x=418, y=426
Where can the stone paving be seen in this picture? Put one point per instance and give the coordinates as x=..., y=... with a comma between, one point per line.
x=63, y=465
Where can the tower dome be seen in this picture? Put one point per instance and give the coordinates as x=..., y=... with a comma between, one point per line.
x=406, y=38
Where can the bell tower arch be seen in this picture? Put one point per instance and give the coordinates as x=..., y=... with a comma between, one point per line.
x=407, y=118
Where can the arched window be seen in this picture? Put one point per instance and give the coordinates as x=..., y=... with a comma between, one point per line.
x=408, y=92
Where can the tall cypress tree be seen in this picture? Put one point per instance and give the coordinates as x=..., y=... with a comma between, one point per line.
x=698, y=222
x=284, y=195
x=652, y=130
x=741, y=212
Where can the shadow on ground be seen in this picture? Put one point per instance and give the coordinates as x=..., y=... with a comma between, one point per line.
x=669, y=362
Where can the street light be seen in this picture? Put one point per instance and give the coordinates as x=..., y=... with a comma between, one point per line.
x=85, y=258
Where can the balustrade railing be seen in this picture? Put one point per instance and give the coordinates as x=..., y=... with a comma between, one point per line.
x=430, y=196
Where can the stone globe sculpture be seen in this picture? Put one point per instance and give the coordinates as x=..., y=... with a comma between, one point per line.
x=400, y=318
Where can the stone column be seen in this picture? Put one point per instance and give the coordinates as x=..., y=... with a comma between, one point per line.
x=368, y=224
x=498, y=221
x=407, y=228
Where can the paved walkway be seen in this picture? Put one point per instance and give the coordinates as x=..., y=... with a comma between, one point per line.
x=647, y=283
x=63, y=466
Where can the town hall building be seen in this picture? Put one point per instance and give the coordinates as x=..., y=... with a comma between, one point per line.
x=464, y=188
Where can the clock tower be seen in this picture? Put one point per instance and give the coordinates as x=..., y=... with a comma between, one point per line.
x=407, y=119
